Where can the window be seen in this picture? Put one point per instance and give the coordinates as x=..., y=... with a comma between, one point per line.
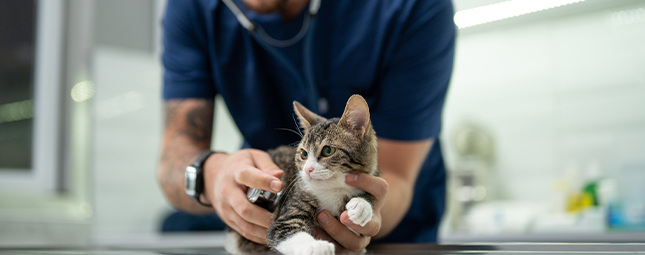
x=30, y=46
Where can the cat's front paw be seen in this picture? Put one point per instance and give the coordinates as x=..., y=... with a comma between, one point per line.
x=317, y=247
x=304, y=244
x=359, y=211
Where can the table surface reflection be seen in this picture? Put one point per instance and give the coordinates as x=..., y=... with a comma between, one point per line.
x=483, y=248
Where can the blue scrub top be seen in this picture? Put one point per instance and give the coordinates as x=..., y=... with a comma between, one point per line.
x=397, y=54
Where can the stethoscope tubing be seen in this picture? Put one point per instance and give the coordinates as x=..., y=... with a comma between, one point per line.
x=307, y=53
x=308, y=82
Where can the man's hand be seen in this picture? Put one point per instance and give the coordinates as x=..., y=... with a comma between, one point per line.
x=338, y=233
x=226, y=178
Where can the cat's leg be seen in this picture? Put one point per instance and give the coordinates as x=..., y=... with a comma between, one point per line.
x=359, y=211
x=232, y=243
x=295, y=239
x=289, y=233
x=303, y=243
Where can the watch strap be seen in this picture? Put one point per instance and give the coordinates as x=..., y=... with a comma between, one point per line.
x=198, y=169
x=199, y=162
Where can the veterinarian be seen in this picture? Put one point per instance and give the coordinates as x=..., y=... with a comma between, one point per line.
x=267, y=53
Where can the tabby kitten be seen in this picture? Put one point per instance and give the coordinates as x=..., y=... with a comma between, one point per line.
x=314, y=178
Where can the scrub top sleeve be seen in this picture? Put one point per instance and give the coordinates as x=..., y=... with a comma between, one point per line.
x=185, y=58
x=416, y=76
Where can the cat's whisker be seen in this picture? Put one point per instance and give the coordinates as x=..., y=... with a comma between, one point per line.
x=325, y=175
x=297, y=126
x=327, y=172
x=295, y=144
x=291, y=185
x=290, y=130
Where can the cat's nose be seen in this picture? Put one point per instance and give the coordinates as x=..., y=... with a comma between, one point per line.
x=309, y=170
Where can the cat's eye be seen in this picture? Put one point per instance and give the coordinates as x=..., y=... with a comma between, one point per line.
x=303, y=154
x=328, y=151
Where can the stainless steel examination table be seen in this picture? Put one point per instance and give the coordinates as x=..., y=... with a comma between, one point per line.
x=485, y=248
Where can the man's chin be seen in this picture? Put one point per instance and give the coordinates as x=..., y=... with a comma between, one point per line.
x=264, y=6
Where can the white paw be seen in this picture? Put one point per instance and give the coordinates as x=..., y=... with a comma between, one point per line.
x=359, y=211
x=318, y=247
x=304, y=244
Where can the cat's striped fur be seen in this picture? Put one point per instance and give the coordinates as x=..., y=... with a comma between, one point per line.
x=324, y=188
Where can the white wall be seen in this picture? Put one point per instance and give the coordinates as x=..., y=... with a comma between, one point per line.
x=557, y=93
x=127, y=139
x=127, y=134
x=128, y=129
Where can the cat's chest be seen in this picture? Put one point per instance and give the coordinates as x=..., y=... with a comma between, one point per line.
x=334, y=200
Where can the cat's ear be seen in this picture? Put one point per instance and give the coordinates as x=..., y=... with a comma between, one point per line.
x=307, y=118
x=356, y=117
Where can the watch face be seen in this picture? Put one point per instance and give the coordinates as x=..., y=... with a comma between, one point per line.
x=190, y=180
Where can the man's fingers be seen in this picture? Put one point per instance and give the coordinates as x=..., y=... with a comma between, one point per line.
x=254, y=178
x=376, y=186
x=263, y=160
x=341, y=234
x=248, y=230
x=248, y=211
x=276, y=172
x=370, y=229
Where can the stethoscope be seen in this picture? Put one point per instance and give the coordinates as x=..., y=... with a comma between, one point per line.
x=269, y=43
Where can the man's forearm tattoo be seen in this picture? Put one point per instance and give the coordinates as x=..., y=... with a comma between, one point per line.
x=200, y=125
x=188, y=132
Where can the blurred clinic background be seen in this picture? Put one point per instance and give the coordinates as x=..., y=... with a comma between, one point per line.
x=544, y=123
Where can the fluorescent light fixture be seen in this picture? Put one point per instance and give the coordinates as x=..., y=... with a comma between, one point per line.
x=504, y=10
x=82, y=91
x=627, y=17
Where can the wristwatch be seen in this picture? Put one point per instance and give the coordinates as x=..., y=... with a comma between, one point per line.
x=194, y=178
